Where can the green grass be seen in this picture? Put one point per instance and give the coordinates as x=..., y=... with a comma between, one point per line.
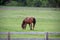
x=47, y=19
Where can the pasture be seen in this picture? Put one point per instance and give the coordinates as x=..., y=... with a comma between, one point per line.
x=47, y=19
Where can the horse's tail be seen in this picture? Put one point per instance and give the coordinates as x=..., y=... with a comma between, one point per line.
x=34, y=21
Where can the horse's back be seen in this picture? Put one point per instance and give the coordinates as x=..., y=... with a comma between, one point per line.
x=29, y=19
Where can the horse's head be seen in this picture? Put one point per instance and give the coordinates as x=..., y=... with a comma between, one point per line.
x=23, y=25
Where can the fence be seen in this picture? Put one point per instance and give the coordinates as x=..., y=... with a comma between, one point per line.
x=45, y=33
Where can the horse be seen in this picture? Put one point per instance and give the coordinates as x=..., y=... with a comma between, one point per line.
x=29, y=20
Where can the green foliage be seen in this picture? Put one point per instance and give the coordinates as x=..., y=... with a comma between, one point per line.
x=12, y=3
x=34, y=3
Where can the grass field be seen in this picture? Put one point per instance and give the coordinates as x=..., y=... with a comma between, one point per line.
x=47, y=19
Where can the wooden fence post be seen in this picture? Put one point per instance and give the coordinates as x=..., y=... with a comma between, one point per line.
x=8, y=35
x=46, y=36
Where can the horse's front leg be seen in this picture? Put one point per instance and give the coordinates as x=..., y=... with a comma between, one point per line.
x=30, y=26
x=25, y=26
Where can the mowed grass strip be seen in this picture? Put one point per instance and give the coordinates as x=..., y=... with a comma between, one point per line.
x=29, y=36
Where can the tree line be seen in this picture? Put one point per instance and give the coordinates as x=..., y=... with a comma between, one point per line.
x=31, y=3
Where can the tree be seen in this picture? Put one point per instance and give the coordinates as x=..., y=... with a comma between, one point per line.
x=22, y=2
x=57, y=3
x=3, y=2
x=54, y=3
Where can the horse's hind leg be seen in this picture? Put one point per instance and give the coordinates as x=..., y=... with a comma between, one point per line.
x=34, y=22
x=30, y=26
x=33, y=26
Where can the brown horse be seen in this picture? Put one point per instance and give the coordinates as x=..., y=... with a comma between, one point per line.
x=29, y=20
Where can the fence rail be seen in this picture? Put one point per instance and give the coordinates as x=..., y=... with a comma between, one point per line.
x=29, y=32
x=44, y=33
